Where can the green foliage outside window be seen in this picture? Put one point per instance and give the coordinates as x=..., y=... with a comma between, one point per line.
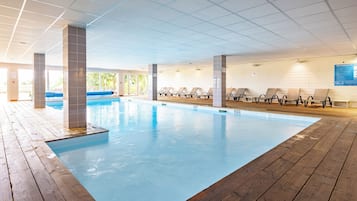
x=97, y=81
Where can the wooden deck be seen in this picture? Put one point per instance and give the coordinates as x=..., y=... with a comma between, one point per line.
x=319, y=163
x=28, y=168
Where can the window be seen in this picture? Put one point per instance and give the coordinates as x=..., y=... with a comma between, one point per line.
x=135, y=84
x=25, y=84
x=54, y=80
x=101, y=81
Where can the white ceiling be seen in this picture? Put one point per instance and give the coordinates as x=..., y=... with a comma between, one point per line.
x=134, y=33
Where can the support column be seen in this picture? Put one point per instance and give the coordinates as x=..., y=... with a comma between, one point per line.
x=121, y=83
x=219, y=81
x=39, y=80
x=12, y=84
x=74, y=77
x=152, y=82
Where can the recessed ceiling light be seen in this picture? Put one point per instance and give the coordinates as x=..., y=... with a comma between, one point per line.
x=301, y=61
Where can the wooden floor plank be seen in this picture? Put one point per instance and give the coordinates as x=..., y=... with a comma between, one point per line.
x=346, y=186
x=24, y=186
x=293, y=180
x=54, y=184
x=47, y=187
x=5, y=187
x=323, y=180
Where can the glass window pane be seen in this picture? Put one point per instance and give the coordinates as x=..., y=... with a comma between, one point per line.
x=25, y=84
x=55, y=80
x=93, y=81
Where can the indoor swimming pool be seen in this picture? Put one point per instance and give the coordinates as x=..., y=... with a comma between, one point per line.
x=161, y=152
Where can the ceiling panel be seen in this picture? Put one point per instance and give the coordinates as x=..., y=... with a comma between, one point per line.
x=211, y=12
x=258, y=11
x=346, y=15
x=94, y=7
x=186, y=21
x=308, y=10
x=61, y=3
x=37, y=18
x=7, y=28
x=11, y=3
x=270, y=19
x=42, y=9
x=321, y=25
x=189, y=6
x=5, y=20
x=241, y=26
x=293, y=4
x=338, y=4
x=283, y=27
x=78, y=18
x=316, y=18
x=227, y=20
x=203, y=27
x=9, y=12
x=350, y=25
x=218, y=32
x=240, y=5
x=177, y=31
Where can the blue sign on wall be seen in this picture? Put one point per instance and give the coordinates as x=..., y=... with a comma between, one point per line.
x=345, y=75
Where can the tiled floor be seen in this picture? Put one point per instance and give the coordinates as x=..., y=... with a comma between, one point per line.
x=320, y=163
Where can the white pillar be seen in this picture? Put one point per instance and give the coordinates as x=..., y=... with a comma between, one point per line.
x=152, y=82
x=219, y=81
x=39, y=80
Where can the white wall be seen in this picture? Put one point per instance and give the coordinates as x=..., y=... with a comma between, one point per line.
x=314, y=73
x=186, y=77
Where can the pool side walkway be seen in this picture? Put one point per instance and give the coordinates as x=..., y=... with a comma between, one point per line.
x=319, y=163
x=28, y=168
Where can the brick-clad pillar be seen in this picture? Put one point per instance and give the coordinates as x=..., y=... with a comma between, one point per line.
x=39, y=80
x=152, y=85
x=219, y=81
x=74, y=77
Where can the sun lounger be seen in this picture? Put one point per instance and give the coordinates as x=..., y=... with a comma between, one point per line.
x=162, y=91
x=192, y=93
x=208, y=94
x=292, y=96
x=181, y=92
x=229, y=93
x=269, y=95
x=320, y=96
x=240, y=93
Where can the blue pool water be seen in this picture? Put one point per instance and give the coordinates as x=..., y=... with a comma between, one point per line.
x=160, y=153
